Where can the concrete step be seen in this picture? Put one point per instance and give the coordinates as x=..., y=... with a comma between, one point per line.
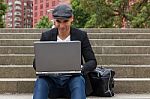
x=94, y=42
x=121, y=49
x=117, y=96
x=17, y=42
x=121, y=71
x=16, y=59
x=16, y=50
x=122, y=85
x=130, y=71
x=117, y=30
x=123, y=59
x=21, y=30
x=90, y=35
x=89, y=30
x=120, y=42
x=119, y=35
x=16, y=85
x=96, y=49
x=17, y=71
x=102, y=59
x=20, y=35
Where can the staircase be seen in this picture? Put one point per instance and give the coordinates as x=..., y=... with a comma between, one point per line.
x=127, y=51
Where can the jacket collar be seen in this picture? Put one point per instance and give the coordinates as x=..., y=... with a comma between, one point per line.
x=72, y=34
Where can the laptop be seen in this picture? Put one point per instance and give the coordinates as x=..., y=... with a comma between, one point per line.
x=57, y=57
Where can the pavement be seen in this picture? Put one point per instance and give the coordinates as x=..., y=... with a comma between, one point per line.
x=117, y=96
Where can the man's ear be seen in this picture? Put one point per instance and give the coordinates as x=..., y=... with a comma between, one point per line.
x=72, y=19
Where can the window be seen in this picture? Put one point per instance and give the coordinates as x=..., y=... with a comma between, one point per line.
x=41, y=13
x=35, y=7
x=36, y=1
x=47, y=5
x=41, y=6
x=35, y=14
x=41, y=1
x=35, y=20
x=53, y=3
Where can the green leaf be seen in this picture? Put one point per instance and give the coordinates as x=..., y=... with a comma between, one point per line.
x=44, y=23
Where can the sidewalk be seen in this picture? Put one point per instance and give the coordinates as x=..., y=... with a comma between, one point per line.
x=117, y=96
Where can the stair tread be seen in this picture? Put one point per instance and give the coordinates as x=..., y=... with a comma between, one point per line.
x=89, y=39
x=33, y=79
x=117, y=96
x=107, y=66
x=87, y=33
x=20, y=54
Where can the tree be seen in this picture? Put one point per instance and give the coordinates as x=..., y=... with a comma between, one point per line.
x=108, y=13
x=3, y=8
x=44, y=23
x=116, y=13
x=139, y=15
x=80, y=16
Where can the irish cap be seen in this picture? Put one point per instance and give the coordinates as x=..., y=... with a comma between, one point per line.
x=62, y=11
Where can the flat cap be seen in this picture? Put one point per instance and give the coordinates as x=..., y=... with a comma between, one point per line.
x=62, y=11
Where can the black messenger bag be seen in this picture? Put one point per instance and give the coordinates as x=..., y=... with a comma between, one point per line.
x=102, y=82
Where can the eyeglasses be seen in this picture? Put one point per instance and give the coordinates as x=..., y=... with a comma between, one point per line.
x=62, y=21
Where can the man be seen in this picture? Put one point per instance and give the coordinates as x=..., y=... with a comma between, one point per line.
x=72, y=86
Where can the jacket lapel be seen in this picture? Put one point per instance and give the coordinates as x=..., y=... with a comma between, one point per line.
x=73, y=36
x=54, y=35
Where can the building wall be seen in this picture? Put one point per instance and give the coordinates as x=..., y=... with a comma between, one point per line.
x=28, y=13
x=19, y=14
x=44, y=8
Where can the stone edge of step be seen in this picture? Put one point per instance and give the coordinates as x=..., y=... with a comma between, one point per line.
x=33, y=79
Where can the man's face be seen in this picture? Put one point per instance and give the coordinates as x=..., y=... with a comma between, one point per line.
x=63, y=25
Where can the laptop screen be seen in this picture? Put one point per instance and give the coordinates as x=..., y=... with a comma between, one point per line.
x=53, y=56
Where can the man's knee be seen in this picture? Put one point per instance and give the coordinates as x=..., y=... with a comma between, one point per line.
x=77, y=87
x=77, y=81
x=41, y=82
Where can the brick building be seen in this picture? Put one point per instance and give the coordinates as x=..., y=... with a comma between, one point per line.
x=44, y=8
x=19, y=14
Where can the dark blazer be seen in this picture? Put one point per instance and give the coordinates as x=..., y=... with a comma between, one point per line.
x=86, y=50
